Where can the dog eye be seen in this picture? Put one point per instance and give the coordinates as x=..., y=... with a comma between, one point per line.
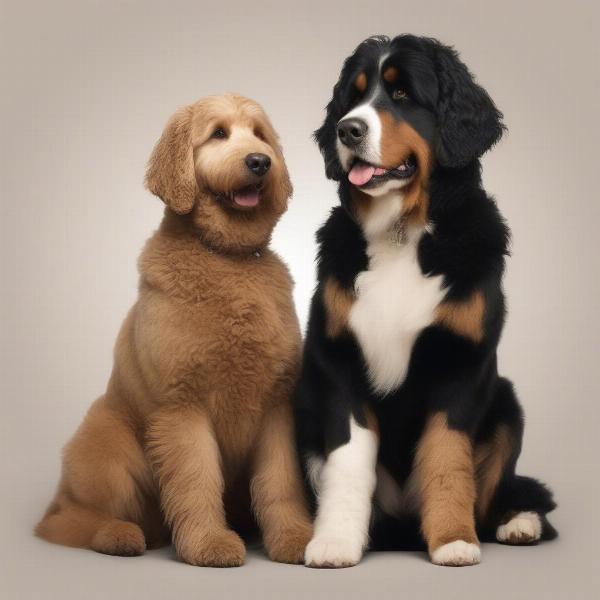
x=260, y=135
x=219, y=133
x=399, y=95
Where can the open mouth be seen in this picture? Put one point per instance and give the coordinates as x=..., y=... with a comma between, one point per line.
x=247, y=197
x=364, y=175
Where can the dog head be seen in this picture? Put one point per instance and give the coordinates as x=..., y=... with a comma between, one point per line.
x=400, y=109
x=219, y=161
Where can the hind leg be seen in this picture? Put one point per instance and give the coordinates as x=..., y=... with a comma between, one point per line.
x=519, y=511
x=493, y=467
x=522, y=528
x=79, y=527
x=101, y=498
x=509, y=508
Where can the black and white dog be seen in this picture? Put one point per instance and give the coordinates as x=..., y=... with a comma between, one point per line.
x=399, y=405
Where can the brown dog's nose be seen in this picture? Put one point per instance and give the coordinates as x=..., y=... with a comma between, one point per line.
x=258, y=163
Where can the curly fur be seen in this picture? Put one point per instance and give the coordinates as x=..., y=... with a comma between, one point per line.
x=196, y=416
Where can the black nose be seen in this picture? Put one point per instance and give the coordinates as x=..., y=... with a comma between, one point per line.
x=352, y=132
x=258, y=163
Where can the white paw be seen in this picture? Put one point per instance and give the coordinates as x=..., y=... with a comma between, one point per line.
x=332, y=552
x=457, y=554
x=523, y=528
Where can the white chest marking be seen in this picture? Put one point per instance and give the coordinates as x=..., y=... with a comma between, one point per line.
x=395, y=301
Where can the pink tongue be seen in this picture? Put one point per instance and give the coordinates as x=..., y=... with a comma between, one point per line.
x=361, y=173
x=248, y=197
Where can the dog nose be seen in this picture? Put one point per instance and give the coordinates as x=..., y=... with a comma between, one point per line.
x=258, y=163
x=352, y=132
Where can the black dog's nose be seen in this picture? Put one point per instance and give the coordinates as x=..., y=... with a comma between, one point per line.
x=352, y=132
x=258, y=163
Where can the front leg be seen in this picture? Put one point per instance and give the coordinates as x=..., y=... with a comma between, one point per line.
x=344, y=493
x=277, y=492
x=186, y=460
x=445, y=471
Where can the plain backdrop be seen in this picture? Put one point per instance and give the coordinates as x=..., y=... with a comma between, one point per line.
x=86, y=90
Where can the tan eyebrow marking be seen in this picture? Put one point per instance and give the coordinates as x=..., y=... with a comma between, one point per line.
x=390, y=74
x=361, y=82
x=491, y=459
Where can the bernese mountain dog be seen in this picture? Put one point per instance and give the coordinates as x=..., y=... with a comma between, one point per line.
x=405, y=428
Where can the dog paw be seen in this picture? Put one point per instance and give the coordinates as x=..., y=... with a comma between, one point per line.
x=332, y=552
x=119, y=538
x=216, y=549
x=456, y=554
x=290, y=544
x=523, y=528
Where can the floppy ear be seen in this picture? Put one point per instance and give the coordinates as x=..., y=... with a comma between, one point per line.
x=469, y=122
x=170, y=174
x=273, y=140
x=286, y=185
x=326, y=136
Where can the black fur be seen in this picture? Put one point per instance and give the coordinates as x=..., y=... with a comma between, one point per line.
x=468, y=122
x=468, y=246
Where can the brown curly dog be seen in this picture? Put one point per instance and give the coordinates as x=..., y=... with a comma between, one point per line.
x=195, y=425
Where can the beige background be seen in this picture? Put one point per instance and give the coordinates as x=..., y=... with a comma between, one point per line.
x=86, y=90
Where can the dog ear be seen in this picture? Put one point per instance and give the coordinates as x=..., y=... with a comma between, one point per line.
x=286, y=185
x=326, y=136
x=170, y=174
x=273, y=140
x=469, y=122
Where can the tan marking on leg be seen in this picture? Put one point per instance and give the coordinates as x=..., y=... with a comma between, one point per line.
x=390, y=74
x=491, y=458
x=338, y=302
x=444, y=465
x=399, y=141
x=277, y=491
x=360, y=83
x=463, y=317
